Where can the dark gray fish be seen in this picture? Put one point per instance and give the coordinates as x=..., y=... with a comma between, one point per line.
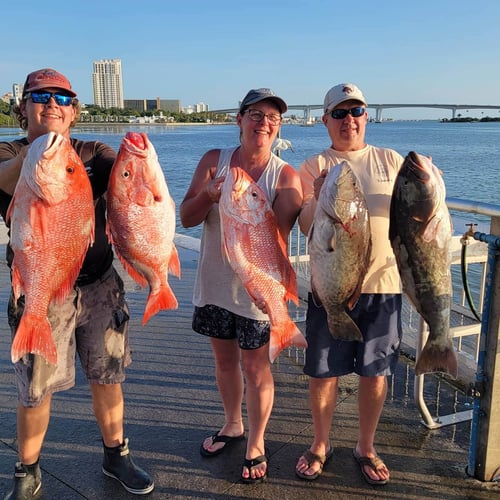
x=339, y=249
x=420, y=233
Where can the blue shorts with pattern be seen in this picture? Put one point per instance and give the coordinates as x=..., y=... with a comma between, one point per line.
x=219, y=323
x=378, y=317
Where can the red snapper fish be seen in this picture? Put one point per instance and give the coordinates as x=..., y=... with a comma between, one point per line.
x=141, y=221
x=421, y=232
x=52, y=221
x=257, y=253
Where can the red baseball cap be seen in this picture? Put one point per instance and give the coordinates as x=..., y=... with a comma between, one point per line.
x=47, y=78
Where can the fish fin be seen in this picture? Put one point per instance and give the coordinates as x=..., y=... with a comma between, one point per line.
x=17, y=281
x=164, y=299
x=342, y=327
x=136, y=276
x=353, y=300
x=434, y=359
x=174, y=265
x=432, y=229
x=34, y=335
x=283, y=335
x=66, y=287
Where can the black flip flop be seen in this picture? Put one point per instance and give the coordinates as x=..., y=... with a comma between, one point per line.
x=220, y=438
x=252, y=463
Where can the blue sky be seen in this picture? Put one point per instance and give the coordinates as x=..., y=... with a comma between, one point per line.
x=439, y=51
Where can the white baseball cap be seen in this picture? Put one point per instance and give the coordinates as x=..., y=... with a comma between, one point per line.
x=340, y=93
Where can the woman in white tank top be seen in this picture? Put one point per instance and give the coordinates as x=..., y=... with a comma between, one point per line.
x=237, y=327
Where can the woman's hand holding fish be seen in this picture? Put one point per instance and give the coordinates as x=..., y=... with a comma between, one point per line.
x=261, y=304
x=213, y=189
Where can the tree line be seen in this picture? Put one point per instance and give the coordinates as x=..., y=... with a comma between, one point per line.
x=96, y=114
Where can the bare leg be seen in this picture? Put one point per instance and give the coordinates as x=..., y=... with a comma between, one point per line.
x=371, y=399
x=323, y=398
x=108, y=410
x=259, y=398
x=230, y=383
x=32, y=424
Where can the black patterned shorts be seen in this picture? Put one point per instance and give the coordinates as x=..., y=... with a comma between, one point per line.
x=220, y=323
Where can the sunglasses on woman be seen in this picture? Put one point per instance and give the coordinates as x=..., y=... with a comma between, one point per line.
x=44, y=98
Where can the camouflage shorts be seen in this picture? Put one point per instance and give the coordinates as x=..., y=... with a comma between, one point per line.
x=93, y=322
x=220, y=323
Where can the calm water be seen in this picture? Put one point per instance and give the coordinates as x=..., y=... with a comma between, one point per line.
x=467, y=153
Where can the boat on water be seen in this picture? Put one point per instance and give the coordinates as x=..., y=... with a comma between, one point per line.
x=308, y=123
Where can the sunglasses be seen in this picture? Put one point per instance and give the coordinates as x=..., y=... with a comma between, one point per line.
x=340, y=114
x=44, y=98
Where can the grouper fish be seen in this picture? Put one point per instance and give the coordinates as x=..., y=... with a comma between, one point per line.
x=340, y=249
x=420, y=233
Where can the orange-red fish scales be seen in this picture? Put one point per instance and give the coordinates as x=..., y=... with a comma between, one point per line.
x=257, y=252
x=51, y=218
x=141, y=221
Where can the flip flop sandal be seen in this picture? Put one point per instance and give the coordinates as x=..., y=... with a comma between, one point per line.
x=220, y=438
x=310, y=458
x=252, y=463
x=374, y=463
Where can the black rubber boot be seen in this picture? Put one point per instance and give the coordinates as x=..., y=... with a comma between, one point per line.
x=27, y=482
x=119, y=465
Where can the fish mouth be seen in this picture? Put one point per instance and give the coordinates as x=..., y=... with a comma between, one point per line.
x=417, y=167
x=136, y=143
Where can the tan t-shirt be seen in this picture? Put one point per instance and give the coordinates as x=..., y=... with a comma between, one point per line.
x=376, y=169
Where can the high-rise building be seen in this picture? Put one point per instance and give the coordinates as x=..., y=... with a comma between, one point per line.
x=107, y=83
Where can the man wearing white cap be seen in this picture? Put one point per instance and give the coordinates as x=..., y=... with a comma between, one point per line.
x=378, y=310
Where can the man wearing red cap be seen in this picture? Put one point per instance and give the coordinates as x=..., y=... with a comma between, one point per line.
x=49, y=104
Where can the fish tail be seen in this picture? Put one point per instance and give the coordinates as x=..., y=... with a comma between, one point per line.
x=342, y=327
x=34, y=335
x=284, y=335
x=164, y=299
x=435, y=358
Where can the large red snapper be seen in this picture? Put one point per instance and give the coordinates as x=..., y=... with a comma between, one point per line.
x=51, y=219
x=420, y=233
x=141, y=221
x=340, y=249
x=257, y=252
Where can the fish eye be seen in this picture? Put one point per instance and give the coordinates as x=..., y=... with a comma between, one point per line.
x=126, y=174
x=254, y=194
x=70, y=170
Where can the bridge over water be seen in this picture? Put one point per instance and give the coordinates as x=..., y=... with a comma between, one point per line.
x=307, y=108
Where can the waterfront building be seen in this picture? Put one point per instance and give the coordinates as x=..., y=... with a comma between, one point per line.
x=200, y=107
x=17, y=92
x=171, y=105
x=107, y=83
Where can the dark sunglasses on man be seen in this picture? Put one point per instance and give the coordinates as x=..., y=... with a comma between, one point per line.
x=340, y=114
